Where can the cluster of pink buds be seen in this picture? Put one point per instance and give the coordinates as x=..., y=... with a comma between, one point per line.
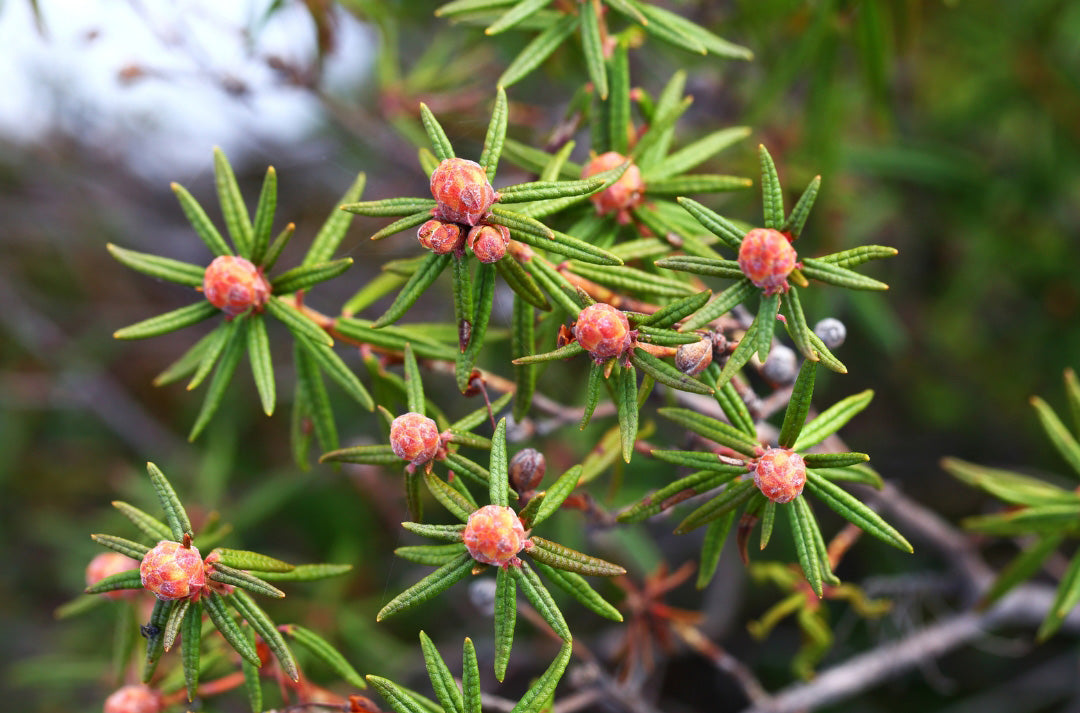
x=780, y=474
x=767, y=258
x=234, y=285
x=494, y=535
x=623, y=195
x=463, y=198
x=415, y=438
x=603, y=331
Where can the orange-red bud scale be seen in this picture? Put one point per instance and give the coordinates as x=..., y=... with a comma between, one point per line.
x=780, y=474
x=767, y=258
x=489, y=242
x=621, y=196
x=234, y=285
x=462, y=191
x=439, y=237
x=603, y=331
x=494, y=535
x=414, y=438
x=172, y=571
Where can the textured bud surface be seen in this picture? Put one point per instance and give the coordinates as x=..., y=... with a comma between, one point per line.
x=767, y=258
x=603, y=331
x=488, y=242
x=234, y=285
x=172, y=571
x=133, y=699
x=622, y=195
x=107, y=564
x=462, y=191
x=414, y=438
x=527, y=469
x=439, y=237
x=780, y=474
x=494, y=535
x=694, y=358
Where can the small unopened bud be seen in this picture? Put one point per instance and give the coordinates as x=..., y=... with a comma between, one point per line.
x=107, y=564
x=780, y=474
x=172, y=571
x=694, y=358
x=234, y=285
x=462, y=190
x=133, y=699
x=494, y=535
x=439, y=237
x=488, y=242
x=781, y=367
x=527, y=469
x=414, y=437
x=603, y=331
x=831, y=332
x=767, y=258
x=621, y=196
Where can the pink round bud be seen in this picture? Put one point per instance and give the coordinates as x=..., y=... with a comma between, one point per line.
x=107, y=564
x=462, y=191
x=767, y=258
x=603, y=331
x=495, y=535
x=414, y=438
x=133, y=699
x=172, y=571
x=780, y=474
x=234, y=285
x=439, y=237
x=488, y=242
x=622, y=195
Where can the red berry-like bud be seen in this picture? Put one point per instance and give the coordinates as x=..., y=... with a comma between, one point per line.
x=462, y=191
x=133, y=699
x=172, y=571
x=414, y=438
x=694, y=358
x=622, y=195
x=488, y=242
x=439, y=237
x=527, y=469
x=780, y=474
x=603, y=331
x=767, y=258
x=107, y=564
x=234, y=285
x=494, y=535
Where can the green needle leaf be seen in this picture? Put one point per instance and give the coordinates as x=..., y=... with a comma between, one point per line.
x=152, y=527
x=627, y=407
x=667, y=374
x=175, y=515
x=718, y=431
x=442, y=681
x=1068, y=594
x=439, y=143
x=232, y=351
x=305, y=276
x=523, y=342
x=159, y=617
x=381, y=454
x=264, y=216
x=540, y=598
x=333, y=230
x=163, y=268
x=131, y=579
x=768, y=519
x=522, y=283
x=707, y=266
x=1011, y=487
x=679, y=31
x=797, y=327
x=576, y=586
x=398, y=698
x=233, y=209
x=592, y=44
x=336, y=369
x=696, y=153
x=430, y=586
x=832, y=420
x=732, y=404
x=538, y=50
x=135, y=550
x=505, y=618
x=715, y=535
x=546, y=190
x=297, y=322
x=307, y=572
x=1058, y=434
x=402, y=224
x=264, y=627
x=191, y=359
x=244, y=580
x=450, y=533
x=633, y=279
x=245, y=559
x=520, y=11
x=718, y=225
x=274, y=251
x=414, y=387
x=677, y=310
x=262, y=368
x=850, y=508
x=226, y=624
x=804, y=544
x=732, y=497
x=839, y=276
x=540, y=692
x=404, y=206
x=799, y=405
x=1023, y=567
x=252, y=684
x=470, y=678
x=858, y=255
x=772, y=195
x=674, y=493
x=190, y=641
x=720, y=305
x=561, y=557
x=795, y=222
x=765, y=325
x=311, y=393
x=450, y=498
x=485, y=299
x=431, y=555
x=172, y=624
x=834, y=460
x=496, y=135
x=499, y=482
x=423, y=278
x=557, y=494
x=198, y=219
